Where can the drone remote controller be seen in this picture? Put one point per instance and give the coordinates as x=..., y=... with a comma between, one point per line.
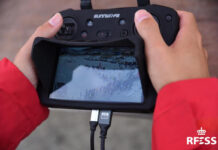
x=97, y=60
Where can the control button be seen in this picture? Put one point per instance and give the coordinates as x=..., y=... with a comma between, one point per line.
x=124, y=33
x=89, y=23
x=84, y=34
x=169, y=18
x=122, y=22
x=102, y=34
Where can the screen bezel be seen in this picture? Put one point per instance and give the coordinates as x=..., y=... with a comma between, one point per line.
x=47, y=49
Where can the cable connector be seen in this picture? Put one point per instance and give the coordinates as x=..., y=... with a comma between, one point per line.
x=104, y=122
x=93, y=124
x=94, y=116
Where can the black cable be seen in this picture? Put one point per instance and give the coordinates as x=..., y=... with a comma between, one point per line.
x=93, y=124
x=104, y=122
x=102, y=143
x=92, y=139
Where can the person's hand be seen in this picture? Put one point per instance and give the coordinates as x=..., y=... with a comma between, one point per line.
x=184, y=59
x=23, y=58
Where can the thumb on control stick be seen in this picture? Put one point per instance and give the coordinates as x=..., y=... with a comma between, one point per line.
x=148, y=29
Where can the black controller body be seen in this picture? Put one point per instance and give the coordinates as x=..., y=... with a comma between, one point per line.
x=114, y=24
x=101, y=28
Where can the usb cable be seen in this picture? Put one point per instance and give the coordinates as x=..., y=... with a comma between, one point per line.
x=104, y=122
x=93, y=124
x=103, y=119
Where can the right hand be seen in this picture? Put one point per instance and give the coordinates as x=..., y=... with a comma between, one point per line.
x=184, y=59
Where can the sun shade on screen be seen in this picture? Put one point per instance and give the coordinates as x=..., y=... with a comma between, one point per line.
x=97, y=74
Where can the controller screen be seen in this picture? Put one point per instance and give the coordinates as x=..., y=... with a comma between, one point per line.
x=97, y=74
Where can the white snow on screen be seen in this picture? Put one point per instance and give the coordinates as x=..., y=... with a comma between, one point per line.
x=92, y=84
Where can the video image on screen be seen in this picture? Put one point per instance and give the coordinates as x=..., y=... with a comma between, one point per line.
x=97, y=74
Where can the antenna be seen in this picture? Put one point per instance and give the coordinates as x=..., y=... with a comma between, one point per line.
x=142, y=3
x=87, y=4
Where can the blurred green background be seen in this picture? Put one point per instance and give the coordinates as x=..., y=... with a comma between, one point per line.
x=68, y=129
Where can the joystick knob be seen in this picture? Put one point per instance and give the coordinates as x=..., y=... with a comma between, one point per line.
x=68, y=29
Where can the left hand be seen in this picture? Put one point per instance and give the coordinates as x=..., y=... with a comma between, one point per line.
x=23, y=58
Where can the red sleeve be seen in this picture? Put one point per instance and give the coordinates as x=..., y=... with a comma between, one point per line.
x=182, y=108
x=20, y=110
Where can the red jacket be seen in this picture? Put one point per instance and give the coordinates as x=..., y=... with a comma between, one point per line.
x=182, y=108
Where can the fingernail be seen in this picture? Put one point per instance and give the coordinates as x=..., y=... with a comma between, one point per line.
x=141, y=15
x=55, y=20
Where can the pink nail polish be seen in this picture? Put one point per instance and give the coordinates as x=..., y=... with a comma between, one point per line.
x=141, y=15
x=55, y=20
